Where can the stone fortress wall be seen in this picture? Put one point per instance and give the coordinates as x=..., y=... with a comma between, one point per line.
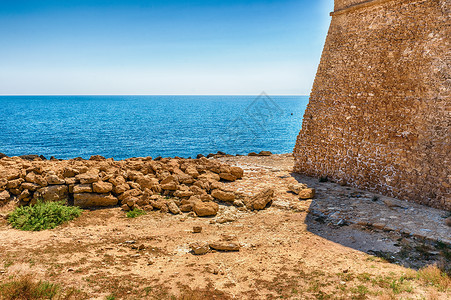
x=379, y=116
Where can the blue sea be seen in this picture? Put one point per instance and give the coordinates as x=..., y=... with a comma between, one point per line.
x=139, y=126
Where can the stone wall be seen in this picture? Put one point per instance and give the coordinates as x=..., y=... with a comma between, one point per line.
x=169, y=184
x=379, y=116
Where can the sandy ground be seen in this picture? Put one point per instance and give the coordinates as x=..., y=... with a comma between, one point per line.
x=288, y=251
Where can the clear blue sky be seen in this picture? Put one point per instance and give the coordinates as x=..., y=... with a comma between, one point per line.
x=161, y=47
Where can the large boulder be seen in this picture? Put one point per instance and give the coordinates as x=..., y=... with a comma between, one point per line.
x=85, y=200
x=206, y=209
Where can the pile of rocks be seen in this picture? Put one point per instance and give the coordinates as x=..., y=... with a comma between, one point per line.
x=170, y=184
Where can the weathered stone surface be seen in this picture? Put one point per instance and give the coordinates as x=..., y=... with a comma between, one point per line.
x=30, y=186
x=227, y=176
x=237, y=172
x=14, y=184
x=448, y=221
x=306, y=194
x=122, y=188
x=102, y=187
x=130, y=193
x=297, y=187
x=170, y=186
x=173, y=208
x=262, y=199
x=4, y=196
x=55, y=180
x=223, y=196
x=52, y=193
x=225, y=246
x=84, y=200
x=87, y=178
x=200, y=248
x=206, y=209
x=378, y=116
x=82, y=188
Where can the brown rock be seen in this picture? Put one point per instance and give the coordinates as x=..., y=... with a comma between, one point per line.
x=171, y=186
x=262, y=199
x=125, y=207
x=82, y=188
x=197, y=229
x=14, y=184
x=173, y=208
x=206, y=209
x=265, y=153
x=87, y=178
x=200, y=248
x=129, y=193
x=121, y=188
x=237, y=172
x=85, y=200
x=102, y=187
x=25, y=195
x=54, y=180
x=307, y=194
x=223, y=196
x=52, y=193
x=448, y=221
x=227, y=176
x=4, y=196
x=30, y=186
x=296, y=187
x=225, y=246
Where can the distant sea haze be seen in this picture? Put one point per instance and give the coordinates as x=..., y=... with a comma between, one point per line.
x=139, y=126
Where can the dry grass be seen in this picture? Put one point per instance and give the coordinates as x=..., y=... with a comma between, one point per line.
x=432, y=275
x=26, y=288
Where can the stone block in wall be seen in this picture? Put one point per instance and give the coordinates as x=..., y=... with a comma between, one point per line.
x=85, y=200
x=52, y=193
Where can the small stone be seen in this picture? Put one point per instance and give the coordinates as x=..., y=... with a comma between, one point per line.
x=197, y=229
x=307, y=194
x=297, y=188
x=225, y=246
x=173, y=208
x=448, y=221
x=200, y=248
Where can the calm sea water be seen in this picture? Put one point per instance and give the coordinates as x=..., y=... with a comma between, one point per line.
x=135, y=126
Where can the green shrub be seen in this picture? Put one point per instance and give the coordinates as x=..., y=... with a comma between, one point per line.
x=42, y=215
x=135, y=213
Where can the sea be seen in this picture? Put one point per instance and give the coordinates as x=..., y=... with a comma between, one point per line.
x=140, y=126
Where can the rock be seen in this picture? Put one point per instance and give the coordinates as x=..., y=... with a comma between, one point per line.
x=52, y=193
x=122, y=188
x=225, y=246
x=297, y=187
x=102, y=187
x=30, y=186
x=85, y=200
x=265, y=153
x=25, y=195
x=237, y=172
x=4, y=196
x=307, y=194
x=14, y=184
x=227, y=176
x=87, y=178
x=130, y=193
x=262, y=199
x=97, y=158
x=29, y=157
x=448, y=221
x=197, y=157
x=82, y=188
x=238, y=203
x=54, y=180
x=197, y=229
x=171, y=186
x=223, y=196
x=173, y=208
x=206, y=209
x=3, y=155
x=200, y=248
x=252, y=154
x=125, y=207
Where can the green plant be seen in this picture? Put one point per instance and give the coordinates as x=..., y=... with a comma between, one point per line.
x=135, y=213
x=42, y=215
x=110, y=297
